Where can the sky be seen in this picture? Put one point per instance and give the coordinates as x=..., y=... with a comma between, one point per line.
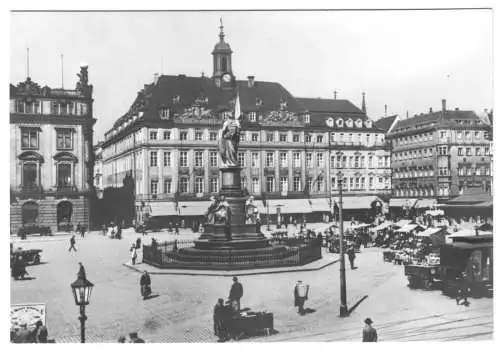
x=407, y=60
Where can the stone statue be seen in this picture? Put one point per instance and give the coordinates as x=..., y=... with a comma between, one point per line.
x=229, y=137
x=222, y=213
x=251, y=212
x=214, y=205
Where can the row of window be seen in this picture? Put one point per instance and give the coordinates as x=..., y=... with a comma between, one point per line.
x=30, y=176
x=468, y=170
x=467, y=151
x=40, y=107
x=30, y=138
x=355, y=183
x=340, y=161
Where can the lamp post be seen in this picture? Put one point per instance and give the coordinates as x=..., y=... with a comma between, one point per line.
x=343, y=302
x=82, y=288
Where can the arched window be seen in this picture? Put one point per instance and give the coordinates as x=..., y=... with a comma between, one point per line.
x=224, y=64
x=29, y=213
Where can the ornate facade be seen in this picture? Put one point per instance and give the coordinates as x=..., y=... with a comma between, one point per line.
x=290, y=147
x=51, y=159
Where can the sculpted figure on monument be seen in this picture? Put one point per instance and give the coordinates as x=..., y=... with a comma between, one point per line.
x=214, y=205
x=229, y=138
x=251, y=212
x=222, y=213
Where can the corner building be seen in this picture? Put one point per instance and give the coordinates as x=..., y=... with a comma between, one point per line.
x=51, y=160
x=437, y=155
x=291, y=149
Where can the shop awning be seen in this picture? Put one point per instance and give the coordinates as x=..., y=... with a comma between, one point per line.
x=429, y=232
x=286, y=206
x=162, y=208
x=358, y=226
x=435, y=213
x=359, y=202
x=381, y=226
x=193, y=208
x=407, y=228
x=402, y=223
x=426, y=203
x=321, y=204
x=400, y=202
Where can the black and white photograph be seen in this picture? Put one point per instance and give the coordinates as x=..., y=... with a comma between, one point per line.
x=250, y=176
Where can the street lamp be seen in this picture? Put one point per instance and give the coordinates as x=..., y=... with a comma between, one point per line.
x=82, y=288
x=343, y=302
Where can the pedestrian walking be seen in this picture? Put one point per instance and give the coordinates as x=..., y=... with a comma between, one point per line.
x=72, y=242
x=145, y=283
x=82, y=231
x=134, y=338
x=134, y=254
x=351, y=253
x=300, y=293
x=235, y=295
x=369, y=333
x=462, y=293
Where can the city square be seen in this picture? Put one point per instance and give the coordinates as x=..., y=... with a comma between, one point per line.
x=182, y=312
x=273, y=198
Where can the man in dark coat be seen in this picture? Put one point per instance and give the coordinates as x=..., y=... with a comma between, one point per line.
x=235, y=295
x=351, y=253
x=72, y=243
x=219, y=321
x=41, y=333
x=145, y=283
x=369, y=333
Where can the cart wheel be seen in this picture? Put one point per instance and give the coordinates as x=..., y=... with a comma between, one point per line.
x=36, y=260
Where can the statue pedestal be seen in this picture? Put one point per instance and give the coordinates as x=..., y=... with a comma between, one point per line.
x=237, y=235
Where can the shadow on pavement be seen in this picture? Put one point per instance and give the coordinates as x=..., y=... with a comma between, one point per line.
x=357, y=304
x=151, y=297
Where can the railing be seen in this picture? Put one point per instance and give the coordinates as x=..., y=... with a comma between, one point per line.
x=296, y=251
x=30, y=188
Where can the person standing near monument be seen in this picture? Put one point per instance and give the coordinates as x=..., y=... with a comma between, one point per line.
x=300, y=294
x=369, y=333
x=72, y=243
x=235, y=295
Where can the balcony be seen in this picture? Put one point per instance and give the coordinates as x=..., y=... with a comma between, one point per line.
x=30, y=189
x=66, y=188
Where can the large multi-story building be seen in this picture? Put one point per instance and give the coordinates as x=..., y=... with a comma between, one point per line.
x=439, y=154
x=51, y=159
x=290, y=147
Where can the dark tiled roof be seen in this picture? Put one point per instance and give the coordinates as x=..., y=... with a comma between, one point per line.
x=328, y=105
x=434, y=117
x=189, y=89
x=385, y=123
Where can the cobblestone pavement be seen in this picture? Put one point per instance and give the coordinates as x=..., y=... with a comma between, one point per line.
x=182, y=310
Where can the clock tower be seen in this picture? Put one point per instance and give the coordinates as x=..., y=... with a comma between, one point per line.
x=223, y=74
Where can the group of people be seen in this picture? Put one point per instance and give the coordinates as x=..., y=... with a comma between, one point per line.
x=133, y=338
x=24, y=335
x=225, y=311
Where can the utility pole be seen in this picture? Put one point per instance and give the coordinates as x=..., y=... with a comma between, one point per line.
x=343, y=299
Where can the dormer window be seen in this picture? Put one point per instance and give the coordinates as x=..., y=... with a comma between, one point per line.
x=307, y=118
x=258, y=102
x=252, y=116
x=283, y=104
x=359, y=123
x=164, y=113
x=339, y=122
x=349, y=122
x=176, y=99
x=368, y=124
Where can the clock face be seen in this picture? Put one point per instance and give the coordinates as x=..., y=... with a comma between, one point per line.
x=226, y=77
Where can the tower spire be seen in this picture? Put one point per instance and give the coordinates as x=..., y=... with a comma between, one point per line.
x=363, y=104
x=221, y=33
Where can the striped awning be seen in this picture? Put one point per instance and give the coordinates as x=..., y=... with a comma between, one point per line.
x=425, y=203
x=358, y=202
x=286, y=206
x=193, y=208
x=162, y=208
x=401, y=202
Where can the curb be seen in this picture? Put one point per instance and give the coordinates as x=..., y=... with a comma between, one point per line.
x=182, y=272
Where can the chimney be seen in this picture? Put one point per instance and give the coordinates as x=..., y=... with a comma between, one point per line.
x=335, y=95
x=407, y=114
x=385, y=110
x=251, y=81
x=155, y=76
x=363, y=104
x=430, y=109
x=443, y=104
